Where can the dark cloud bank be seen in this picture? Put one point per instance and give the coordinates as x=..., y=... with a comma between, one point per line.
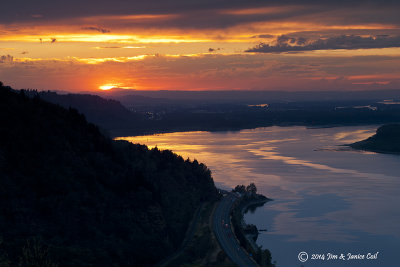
x=286, y=43
x=97, y=29
x=200, y=14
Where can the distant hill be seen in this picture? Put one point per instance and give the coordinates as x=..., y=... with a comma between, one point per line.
x=386, y=140
x=130, y=115
x=138, y=100
x=250, y=96
x=107, y=113
x=70, y=196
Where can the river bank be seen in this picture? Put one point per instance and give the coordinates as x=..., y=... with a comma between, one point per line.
x=247, y=234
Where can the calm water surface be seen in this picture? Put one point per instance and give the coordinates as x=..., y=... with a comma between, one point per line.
x=327, y=198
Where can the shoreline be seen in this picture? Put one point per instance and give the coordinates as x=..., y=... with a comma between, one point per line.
x=247, y=234
x=244, y=225
x=373, y=150
x=120, y=133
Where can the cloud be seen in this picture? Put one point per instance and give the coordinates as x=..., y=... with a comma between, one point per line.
x=108, y=47
x=203, y=14
x=6, y=59
x=118, y=47
x=96, y=29
x=209, y=71
x=263, y=36
x=213, y=49
x=286, y=43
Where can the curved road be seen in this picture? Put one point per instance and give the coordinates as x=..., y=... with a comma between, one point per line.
x=225, y=235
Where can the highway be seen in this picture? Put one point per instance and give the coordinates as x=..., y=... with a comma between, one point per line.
x=223, y=232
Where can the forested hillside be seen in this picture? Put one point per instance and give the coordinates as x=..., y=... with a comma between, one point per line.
x=107, y=113
x=386, y=140
x=70, y=196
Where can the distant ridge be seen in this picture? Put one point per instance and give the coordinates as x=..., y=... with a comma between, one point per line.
x=108, y=113
x=246, y=96
x=123, y=114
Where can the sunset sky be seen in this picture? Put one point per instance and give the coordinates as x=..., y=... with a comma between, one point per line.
x=80, y=45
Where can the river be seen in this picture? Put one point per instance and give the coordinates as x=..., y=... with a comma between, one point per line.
x=327, y=198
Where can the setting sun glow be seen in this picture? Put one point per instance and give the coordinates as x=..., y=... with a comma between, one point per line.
x=106, y=87
x=257, y=45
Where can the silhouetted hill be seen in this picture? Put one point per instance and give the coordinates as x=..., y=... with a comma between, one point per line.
x=72, y=196
x=386, y=140
x=107, y=113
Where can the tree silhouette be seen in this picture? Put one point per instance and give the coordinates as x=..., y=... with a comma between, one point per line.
x=251, y=188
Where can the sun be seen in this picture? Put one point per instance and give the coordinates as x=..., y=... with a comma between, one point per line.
x=114, y=85
x=106, y=87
